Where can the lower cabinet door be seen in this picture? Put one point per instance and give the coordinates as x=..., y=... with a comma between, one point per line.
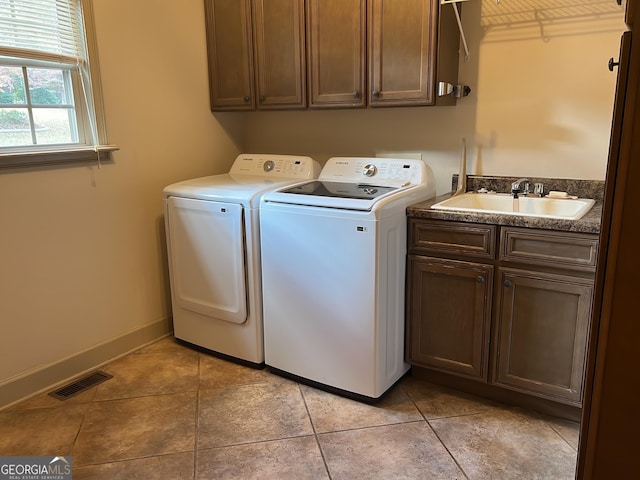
x=541, y=335
x=448, y=312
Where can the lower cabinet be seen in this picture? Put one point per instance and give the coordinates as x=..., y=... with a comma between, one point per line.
x=450, y=313
x=541, y=333
x=514, y=313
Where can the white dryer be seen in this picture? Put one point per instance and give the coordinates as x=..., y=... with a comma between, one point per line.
x=333, y=265
x=213, y=246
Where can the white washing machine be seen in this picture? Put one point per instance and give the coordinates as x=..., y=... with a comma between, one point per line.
x=213, y=244
x=333, y=269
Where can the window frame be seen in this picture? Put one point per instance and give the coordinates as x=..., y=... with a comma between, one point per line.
x=74, y=105
x=88, y=149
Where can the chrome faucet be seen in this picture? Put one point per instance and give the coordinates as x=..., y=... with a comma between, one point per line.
x=520, y=186
x=524, y=186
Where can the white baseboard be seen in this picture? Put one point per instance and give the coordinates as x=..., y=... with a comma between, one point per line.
x=47, y=378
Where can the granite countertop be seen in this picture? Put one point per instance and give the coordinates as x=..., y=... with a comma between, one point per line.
x=589, y=223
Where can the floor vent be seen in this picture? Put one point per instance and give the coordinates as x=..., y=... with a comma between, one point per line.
x=80, y=385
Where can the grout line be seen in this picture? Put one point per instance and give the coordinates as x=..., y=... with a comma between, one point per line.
x=460, y=415
x=447, y=449
x=197, y=422
x=304, y=400
x=547, y=420
x=77, y=435
x=369, y=427
x=119, y=399
x=559, y=435
x=315, y=432
x=132, y=459
x=254, y=442
x=436, y=433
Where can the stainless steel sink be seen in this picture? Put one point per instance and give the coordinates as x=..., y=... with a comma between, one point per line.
x=502, y=203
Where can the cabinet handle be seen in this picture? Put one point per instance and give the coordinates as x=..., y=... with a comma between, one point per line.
x=246, y=99
x=375, y=94
x=261, y=98
x=356, y=94
x=480, y=279
x=612, y=64
x=508, y=283
x=619, y=2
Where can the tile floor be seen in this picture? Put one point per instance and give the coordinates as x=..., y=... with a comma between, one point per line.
x=174, y=413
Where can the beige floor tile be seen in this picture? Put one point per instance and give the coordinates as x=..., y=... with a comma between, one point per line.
x=217, y=373
x=167, y=399
x=251, y=413
x=506, y=444
x=568, y=430
x=289, y=459
x=45, y=431
x=404, y=451
x=179, y=466
x=137, y=427
x=435, y=401
x=167, y=345
x=330, y=413
x=150, y=373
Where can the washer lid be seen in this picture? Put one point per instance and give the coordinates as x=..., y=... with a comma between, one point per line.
x=343, y=195
x=320, y=188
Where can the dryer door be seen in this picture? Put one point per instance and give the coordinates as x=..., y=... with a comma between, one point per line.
x=206, y=256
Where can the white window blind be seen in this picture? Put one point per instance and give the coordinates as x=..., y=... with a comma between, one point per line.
x=50, y=37
x=42, y=29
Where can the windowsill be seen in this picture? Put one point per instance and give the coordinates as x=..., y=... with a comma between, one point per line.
x=60, y=156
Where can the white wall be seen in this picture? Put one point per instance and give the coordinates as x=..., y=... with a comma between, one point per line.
x=82, y=249
x=541, y=103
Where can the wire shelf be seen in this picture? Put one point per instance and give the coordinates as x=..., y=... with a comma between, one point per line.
x=518, y=12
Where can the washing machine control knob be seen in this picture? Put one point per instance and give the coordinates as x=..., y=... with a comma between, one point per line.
x=369, y=170
x=268, y=165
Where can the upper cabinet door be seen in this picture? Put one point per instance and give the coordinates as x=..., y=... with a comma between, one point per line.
x=230, y=51
x=402, y=52
x=336, y=60
x=279, y=53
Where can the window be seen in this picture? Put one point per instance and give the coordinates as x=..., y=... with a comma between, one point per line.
x=50, y=99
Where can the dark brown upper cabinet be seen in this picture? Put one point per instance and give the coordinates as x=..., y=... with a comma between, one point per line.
x=380, y=53
x=230, y=52
x=402, y=52
x=278, y=27
x=256, y=54
x=267, y=54
x=336, y=45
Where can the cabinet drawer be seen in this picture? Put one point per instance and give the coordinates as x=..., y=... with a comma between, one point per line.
x=469, y=239
x=548, y=248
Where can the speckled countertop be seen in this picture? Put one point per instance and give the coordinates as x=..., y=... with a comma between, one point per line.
x=589, y=223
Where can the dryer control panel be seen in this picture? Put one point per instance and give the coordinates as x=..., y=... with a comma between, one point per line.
x=281, y=166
